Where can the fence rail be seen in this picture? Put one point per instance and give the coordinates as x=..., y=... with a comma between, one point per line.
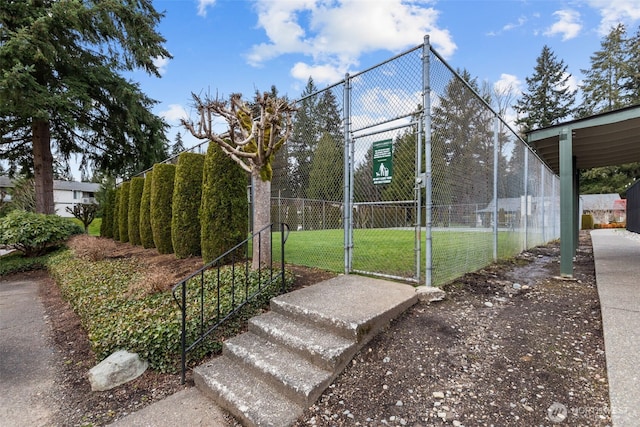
x=220, y=289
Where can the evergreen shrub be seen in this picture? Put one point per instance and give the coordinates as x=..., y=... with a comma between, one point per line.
x=224, y=209
x=187, y=192
x=106, y=227
x=116, y=212
x=123, y=211
x=146, y=235
x=135, y=198
x=161, y=206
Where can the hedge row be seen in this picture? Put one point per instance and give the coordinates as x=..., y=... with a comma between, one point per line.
x=133, y=219
x=146, y=235
x=187, y=192
x=161, y=206
x=198, y=207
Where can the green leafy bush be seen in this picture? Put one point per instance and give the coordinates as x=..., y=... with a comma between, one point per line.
x=146, y=235
x=224, y=209
x=161, y=206
x=187, y=192
x=149, y=325
x=16, y=262
x=33, y=234
x=135, y=199
x=106, y=227
x=116, y=213
x=587, y=222
x=123, y=211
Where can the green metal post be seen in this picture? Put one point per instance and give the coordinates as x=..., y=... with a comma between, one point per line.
x=567, y=201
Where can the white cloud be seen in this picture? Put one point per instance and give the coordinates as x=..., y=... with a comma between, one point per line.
x=203, y=5
x=322, y=74
x=568, y=24
x=161, y=64
x=338, y=33
x=508, y=84
x=572, y=82
x=613, y=12
x=174, y=113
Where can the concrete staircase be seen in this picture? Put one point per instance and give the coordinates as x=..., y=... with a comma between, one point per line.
x=290, y=355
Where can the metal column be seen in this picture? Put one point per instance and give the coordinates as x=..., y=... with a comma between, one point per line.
x=426, y=109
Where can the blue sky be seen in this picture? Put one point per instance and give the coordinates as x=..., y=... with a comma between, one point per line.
x=227, y=46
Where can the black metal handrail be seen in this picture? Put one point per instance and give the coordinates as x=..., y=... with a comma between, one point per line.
x=228, y=259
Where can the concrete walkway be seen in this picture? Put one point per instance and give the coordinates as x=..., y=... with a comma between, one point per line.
x=617, y=261
x=25, y=356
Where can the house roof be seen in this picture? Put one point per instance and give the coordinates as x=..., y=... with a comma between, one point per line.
x=89, y=187
x=598, y=202
x=607, y=139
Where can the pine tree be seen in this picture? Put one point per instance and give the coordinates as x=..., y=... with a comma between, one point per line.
x=603, y=88
x=61, y=87
x=303, y=139
x=632, y=80
x=178, y=145
x=548, y=99
x=612, y=82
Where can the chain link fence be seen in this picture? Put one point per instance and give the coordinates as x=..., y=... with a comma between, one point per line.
x=369, y=183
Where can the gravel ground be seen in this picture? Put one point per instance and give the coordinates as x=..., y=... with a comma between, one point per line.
x=512, y=345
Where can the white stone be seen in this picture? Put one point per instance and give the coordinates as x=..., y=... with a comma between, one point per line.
x=430, y=294
x=438, y=395
x=117, y=369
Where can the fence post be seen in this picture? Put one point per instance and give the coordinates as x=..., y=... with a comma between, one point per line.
x=419, y=184
x=496, y=149
x=542, y=210
x=526, y=197
x=348, y=181
x=426, y=108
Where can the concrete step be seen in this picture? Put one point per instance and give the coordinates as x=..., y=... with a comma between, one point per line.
x=323, y=348
x=354, y=307
x=289, y=373
x=251, y=400
x=268, y=376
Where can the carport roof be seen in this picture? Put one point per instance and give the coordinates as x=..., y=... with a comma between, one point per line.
x=607, y=139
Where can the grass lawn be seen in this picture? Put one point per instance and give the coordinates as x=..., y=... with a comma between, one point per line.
x=391, y=251
x=94, y=227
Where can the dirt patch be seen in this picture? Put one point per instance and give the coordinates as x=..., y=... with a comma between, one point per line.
x=513, y=344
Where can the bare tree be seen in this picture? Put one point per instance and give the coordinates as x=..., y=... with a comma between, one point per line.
x=254, y=136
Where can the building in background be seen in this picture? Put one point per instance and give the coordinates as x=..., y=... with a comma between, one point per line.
x=65, y=193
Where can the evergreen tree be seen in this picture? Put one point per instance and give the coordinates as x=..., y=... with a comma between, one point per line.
x=61, y=88
x=548, y=99
x=178, y=145
x=604, y=86
x=302, y=143
x=325, y=177
x=612, y=82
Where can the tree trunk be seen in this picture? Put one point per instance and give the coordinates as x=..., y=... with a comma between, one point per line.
x=261, y=218
x=43, y=167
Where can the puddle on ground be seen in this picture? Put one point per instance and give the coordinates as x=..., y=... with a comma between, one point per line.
x=531, y=273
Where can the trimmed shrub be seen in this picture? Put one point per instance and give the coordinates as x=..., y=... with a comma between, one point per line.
x=123, y=211
x=133, y=219
x=224, y=208
x=106, y=227
x=33, y=234
x=146, y=235
x=160, y=209
x=587, y=222
x=116, y=211
x=187, y=192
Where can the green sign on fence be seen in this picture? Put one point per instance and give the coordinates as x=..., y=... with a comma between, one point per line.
x=382, y=162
